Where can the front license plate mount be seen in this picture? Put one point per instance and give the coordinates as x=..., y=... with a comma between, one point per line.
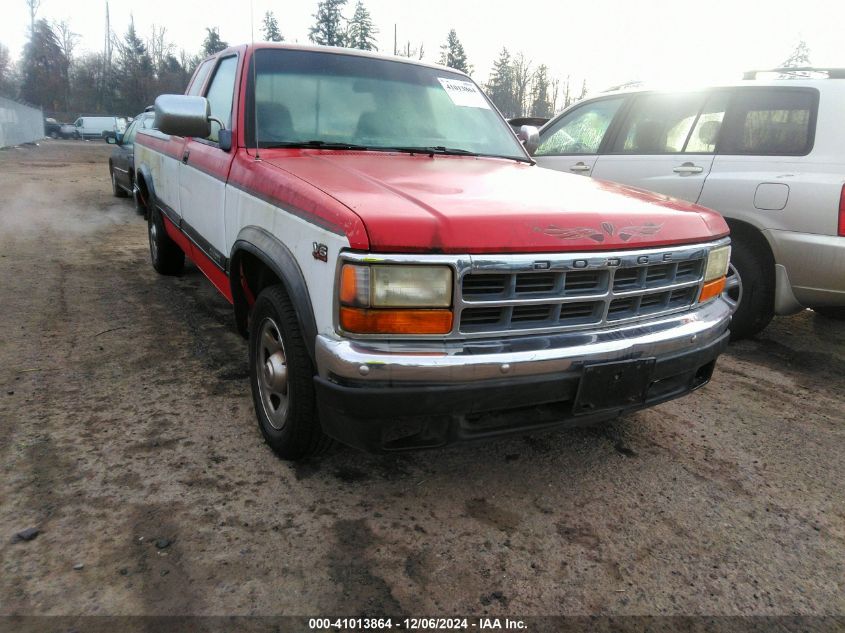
x=613, y=385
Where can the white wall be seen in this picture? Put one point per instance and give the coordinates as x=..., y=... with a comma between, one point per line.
x=19, y=123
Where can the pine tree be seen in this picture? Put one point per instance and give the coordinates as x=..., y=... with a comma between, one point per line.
x=541, y=105
x=361, y=32
x=135, y=75
x=452, y=54
x=800, y=56
x=500, y=86
x=327, y=29
x=212, y=42
x=270, y=28
x=44, y=69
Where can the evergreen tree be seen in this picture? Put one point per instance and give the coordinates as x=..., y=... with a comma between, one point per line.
x=44, y=69
x=541, y=104
x=361, y=32
x=799, y=57
x=270, y=28
x=212, y=42
x=135, y=78
x=328, y=29
x=452, y=54
x=500, y=86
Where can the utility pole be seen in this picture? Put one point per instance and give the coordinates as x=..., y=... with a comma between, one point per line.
x=395, y=49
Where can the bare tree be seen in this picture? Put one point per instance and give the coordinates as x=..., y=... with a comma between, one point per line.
x=412, y=52
x=521, y=79
x=67, y=38
x=33, y=6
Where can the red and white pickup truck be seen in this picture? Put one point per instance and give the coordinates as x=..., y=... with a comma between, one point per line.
x=405, y=274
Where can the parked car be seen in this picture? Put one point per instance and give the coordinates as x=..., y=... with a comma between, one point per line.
x=91, y=127
x=54, y=129
x=769, y=154
x=122, y=159
x=404, y=273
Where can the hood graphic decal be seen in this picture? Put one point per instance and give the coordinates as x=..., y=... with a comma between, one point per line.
x=626, y=233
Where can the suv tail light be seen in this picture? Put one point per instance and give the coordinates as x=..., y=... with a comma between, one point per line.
x=841, y=232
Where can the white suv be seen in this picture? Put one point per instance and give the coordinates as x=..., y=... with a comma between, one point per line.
x=769, y=154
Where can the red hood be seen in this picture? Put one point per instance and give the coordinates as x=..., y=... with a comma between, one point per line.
x=456, y=204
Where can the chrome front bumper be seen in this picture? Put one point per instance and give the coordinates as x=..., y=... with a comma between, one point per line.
x=371, y=363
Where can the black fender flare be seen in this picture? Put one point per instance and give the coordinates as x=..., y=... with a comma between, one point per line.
x=279, y=259
x=144, y=172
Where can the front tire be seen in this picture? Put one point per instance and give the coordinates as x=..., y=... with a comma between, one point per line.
x=756, y=307
x=166, y=256
x=281, y=376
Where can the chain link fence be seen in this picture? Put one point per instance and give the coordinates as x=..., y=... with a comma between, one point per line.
x=19, y=123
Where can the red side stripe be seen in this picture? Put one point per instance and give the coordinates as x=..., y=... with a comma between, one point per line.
x=215, y=275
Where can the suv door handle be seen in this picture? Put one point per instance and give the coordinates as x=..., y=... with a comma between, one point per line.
x=185, y=157
x=579, y=167
x=688, y=168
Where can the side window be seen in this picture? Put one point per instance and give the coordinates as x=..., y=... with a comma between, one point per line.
x=658, y=124
x=129, y=135
x=199, y=78
x=705, y=134
x=581, y=131
x=771, y=122
x=220, y=94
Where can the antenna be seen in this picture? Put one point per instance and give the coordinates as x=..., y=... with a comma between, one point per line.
x=254, y=61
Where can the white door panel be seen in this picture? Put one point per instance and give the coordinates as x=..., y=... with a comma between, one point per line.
x=677, y=175
x=202, y=198
x=576, y=164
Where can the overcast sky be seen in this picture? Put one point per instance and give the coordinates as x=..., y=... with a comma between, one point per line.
x=605, y=41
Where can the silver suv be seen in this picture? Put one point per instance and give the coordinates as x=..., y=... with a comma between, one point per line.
x=767, y=153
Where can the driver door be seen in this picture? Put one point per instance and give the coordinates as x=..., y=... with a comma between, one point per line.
x=572, y=142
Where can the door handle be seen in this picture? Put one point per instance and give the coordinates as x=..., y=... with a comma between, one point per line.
x=185, y=157
x=688, y=168
x=580, y=167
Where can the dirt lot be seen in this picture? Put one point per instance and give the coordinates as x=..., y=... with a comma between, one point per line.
x=125, y=418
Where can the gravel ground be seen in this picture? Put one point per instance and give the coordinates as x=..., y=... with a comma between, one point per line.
x=127, y=437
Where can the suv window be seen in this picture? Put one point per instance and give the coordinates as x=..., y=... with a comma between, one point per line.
x=220, y=94
x=581, y=131
x=199, y=78
x=705, y=134
x=659, y=124
x=129, y=135
x=771, y=121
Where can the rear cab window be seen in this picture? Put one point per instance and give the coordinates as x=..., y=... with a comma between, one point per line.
x=771, y=121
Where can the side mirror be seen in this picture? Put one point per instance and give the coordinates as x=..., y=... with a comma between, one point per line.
x=183, y=115
x=530, y=138
x=111, y=140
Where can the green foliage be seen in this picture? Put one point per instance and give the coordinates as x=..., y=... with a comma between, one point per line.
x=541, y=103
x=452, y=54
x=270, y=28
x=212, y=42
x=328, y=29
x=361, y=32
x=500, y=86
x=44, y=69
x=134, y=72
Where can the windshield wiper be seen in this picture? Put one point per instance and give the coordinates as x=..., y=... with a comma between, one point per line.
x=433, y=149
x=316, y=145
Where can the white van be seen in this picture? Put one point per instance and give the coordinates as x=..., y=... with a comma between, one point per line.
x=99, y=126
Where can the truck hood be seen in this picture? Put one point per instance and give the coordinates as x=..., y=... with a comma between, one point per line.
x=452, y=204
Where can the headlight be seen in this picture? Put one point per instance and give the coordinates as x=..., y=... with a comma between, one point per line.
x=714, y=275
x=717, y=263
x=395, y=299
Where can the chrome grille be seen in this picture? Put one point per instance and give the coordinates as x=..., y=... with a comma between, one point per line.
x=493, y=298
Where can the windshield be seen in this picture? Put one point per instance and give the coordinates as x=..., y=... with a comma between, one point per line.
x=308, y=97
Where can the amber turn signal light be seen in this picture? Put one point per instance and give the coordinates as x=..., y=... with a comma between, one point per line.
x=712, y=289
x=363, y=321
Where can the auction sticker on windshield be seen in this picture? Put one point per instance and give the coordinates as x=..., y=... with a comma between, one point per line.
x=463, y=93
